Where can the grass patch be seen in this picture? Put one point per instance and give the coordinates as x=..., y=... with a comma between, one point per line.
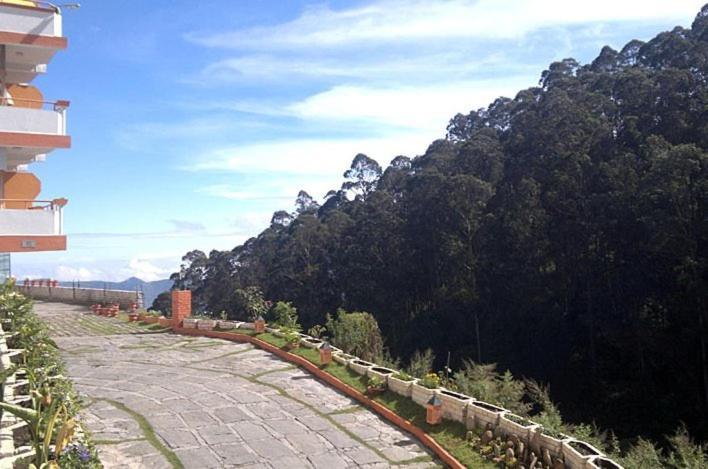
x=451, y=435
x=149, y=433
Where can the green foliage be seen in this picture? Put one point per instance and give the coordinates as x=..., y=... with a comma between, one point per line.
x=252, y=302
x=560, y=232
x=317, y=331
x=356, y=333
x=486, y=384
x=286, y=315
x=421, y=363
x=430, y=381
x=54, y=404
x=643, y=455
x=685, y=454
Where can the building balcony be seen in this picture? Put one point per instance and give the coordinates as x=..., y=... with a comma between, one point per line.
x=31, y=33
x=27, y=226
x=26, y=132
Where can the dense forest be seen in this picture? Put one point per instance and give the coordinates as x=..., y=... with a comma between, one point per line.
x=561, y=234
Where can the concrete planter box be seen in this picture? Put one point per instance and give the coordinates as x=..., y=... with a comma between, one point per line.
x=247, y=325
x=380, y=372
x=165, y=322
x=399, y=386
x=189, y=323
x=311, y=342
x=577, y=454
x=540, y=441
x=509, y=427
x=206, y=324
x=420, y=394
x=342, y=358
x=454, y=405
x=360, y=366
x=480, y=414
x=601, y=462
x=227, y=324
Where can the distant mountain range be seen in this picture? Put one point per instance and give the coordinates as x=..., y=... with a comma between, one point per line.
x=149, y=289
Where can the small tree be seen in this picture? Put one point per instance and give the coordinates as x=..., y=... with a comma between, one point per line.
x=357, y=333
x=286, y=315
x=252, y=301
x=421, y=363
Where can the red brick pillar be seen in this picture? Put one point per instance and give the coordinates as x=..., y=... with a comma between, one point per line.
x=181, y=306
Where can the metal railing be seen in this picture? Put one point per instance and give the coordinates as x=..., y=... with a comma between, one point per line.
x=59, y=105
x=55, y=204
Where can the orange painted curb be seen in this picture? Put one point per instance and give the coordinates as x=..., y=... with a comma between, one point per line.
x=380, y=409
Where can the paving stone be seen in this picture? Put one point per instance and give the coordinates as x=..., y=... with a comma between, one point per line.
x=218, y=434
x=327, y=461
x=178, y=438
x=197, y=419
x=198, y=457
x=235, y=454
x=363, y=456
x=271, y=449
x=211, y=407
x=231, y=414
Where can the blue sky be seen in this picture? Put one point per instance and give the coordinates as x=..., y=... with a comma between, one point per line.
x=193, y=121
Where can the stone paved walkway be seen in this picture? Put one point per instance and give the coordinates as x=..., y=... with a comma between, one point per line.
x=162, y=400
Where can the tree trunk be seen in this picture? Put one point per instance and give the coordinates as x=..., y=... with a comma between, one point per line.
x=476, y=331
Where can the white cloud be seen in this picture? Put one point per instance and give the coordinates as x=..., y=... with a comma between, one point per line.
x=146, y=270
x=67, y=273
x=306, y=158
x=420, y=107
x=406, y=20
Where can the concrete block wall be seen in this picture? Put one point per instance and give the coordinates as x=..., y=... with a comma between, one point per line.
x=83, y=296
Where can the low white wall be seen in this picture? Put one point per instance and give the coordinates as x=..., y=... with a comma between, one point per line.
x=36, y=121
x=29, y=222
x=28, y=21
x=83, y=296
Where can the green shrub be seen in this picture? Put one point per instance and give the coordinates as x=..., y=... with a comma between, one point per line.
x=286, y=315
x=483, y=382
x=421, y=363
x=357, y=333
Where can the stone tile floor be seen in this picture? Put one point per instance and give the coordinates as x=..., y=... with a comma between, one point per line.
x=162, y=400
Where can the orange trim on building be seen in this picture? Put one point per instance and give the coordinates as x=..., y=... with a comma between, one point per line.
x=31, y=243
x=20, y=139
x=51, y=42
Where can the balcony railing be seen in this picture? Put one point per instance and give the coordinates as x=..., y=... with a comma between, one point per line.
x=31, y=217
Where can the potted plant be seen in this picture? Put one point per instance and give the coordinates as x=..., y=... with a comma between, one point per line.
x=224, y=323
x=164, y=321
x=547, y=438
x=206, y=323
x=292, y=339
x=190, y=323
x=512, y=424
x=342, y=358
x=375, y=386
x=423, y=389
x=454, y=405
x=480, y=413
x=401, y=383
x=360, y=366
x=576, y=453
x=151, y=318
